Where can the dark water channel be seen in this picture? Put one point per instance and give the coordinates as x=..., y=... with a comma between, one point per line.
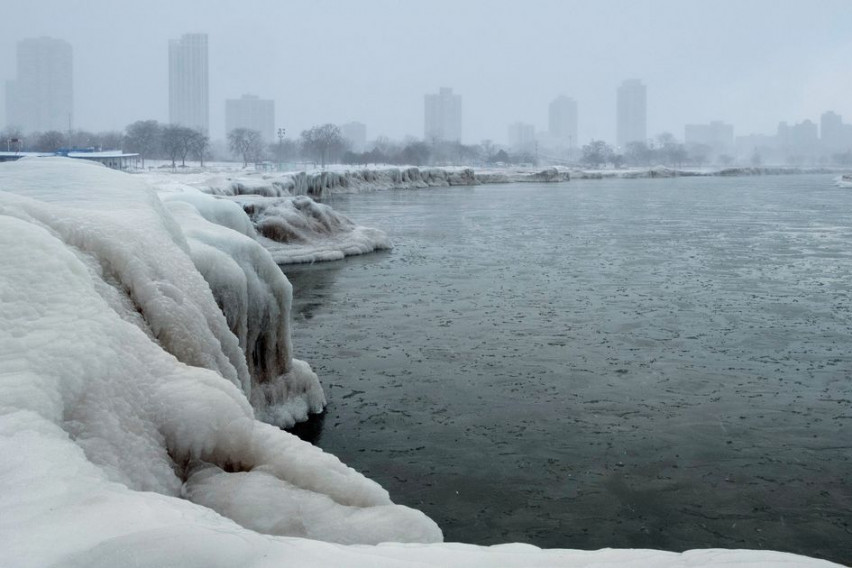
x=611, y=363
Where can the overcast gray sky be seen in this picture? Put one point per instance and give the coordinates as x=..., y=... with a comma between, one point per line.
x=748, y=62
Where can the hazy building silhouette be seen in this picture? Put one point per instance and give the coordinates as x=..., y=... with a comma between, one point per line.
x=717, y=135
x=355, y=134
x=252, y=112
x=832, y=132
x=442, y=116
x=189, y=83
x=522, y=137
x=804, y=135
x=562, y=121
x=42, y=97
x=11, y=104
x=631, y=113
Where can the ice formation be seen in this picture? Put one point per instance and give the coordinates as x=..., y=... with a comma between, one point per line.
x=113, y=343
x=125, y=422
x=277, y=212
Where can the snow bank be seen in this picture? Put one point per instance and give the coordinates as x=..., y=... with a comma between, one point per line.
x=320, y=185
x=275, y=211
x=118, y=361
x=524, y=175
x=126, y=430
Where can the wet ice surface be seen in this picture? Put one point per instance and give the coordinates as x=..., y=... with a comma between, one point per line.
x=615, y=363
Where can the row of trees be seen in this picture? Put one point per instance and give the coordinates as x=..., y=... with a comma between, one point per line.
x=664, y=149
x=325, y=144
x=151, y=139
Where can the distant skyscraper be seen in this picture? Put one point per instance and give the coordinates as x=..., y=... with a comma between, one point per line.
x=253, y=113
x=831, y=130
x=42, y=97
x=562, y=120
x=356, y=134
x=717, y=135
x=442, y=116
x=189, y=84
x=631, y=113
x=11, y=105
x=522, y=137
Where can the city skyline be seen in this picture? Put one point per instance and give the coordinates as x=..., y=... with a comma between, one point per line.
x=776, y=63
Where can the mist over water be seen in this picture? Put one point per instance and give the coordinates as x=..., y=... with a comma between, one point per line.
x=614, y=363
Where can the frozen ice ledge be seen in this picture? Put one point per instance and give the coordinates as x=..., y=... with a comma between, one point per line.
x=286, y=209
x=144, y=339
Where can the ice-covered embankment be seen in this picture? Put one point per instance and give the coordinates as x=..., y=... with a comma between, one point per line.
x=121, y=373
x=286, y=212
x=125, y=422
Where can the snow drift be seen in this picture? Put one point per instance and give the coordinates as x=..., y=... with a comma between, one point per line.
x=125, y=416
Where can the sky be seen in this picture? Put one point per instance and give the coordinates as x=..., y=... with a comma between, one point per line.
x=751, y=63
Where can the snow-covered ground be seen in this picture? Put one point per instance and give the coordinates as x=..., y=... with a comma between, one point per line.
x=142, y=337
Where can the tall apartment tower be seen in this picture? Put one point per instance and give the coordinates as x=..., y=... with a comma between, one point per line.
x=442, y=116
x=831, y=130
x=522, y=137
x=42, y=96
x=189, y=84
x=631, y=115
x=252, y=112
x=562, y=120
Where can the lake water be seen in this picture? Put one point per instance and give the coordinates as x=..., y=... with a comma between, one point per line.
x=604, y=363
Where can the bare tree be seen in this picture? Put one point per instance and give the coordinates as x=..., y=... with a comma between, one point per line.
x=81, y=139
x=246, y=143
x=597, y=153
x=50, y=141
x=323, y=143
x=144, y=137
x=177, y=142
x=198, y=144
x=416, y=153
x=110, y=140
x=285, y=150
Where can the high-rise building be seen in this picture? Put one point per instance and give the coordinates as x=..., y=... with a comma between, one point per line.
x=562, y=121
x=189, y=84
x=631, y=115
x=522, y=137
x=42, y=97
x=252, y=112
x=11, y=105
x=831, y=131
x=442, y=116
x=356, y=134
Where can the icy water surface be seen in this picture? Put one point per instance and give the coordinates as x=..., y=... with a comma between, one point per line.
x=622, y=363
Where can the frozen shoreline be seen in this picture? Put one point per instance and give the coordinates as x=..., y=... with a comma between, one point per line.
x=142, y=338
x=294, y=225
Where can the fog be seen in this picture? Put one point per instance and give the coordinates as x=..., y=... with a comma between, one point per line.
x=751, y=64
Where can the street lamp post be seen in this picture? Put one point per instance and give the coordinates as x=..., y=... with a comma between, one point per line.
x=281, y=133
